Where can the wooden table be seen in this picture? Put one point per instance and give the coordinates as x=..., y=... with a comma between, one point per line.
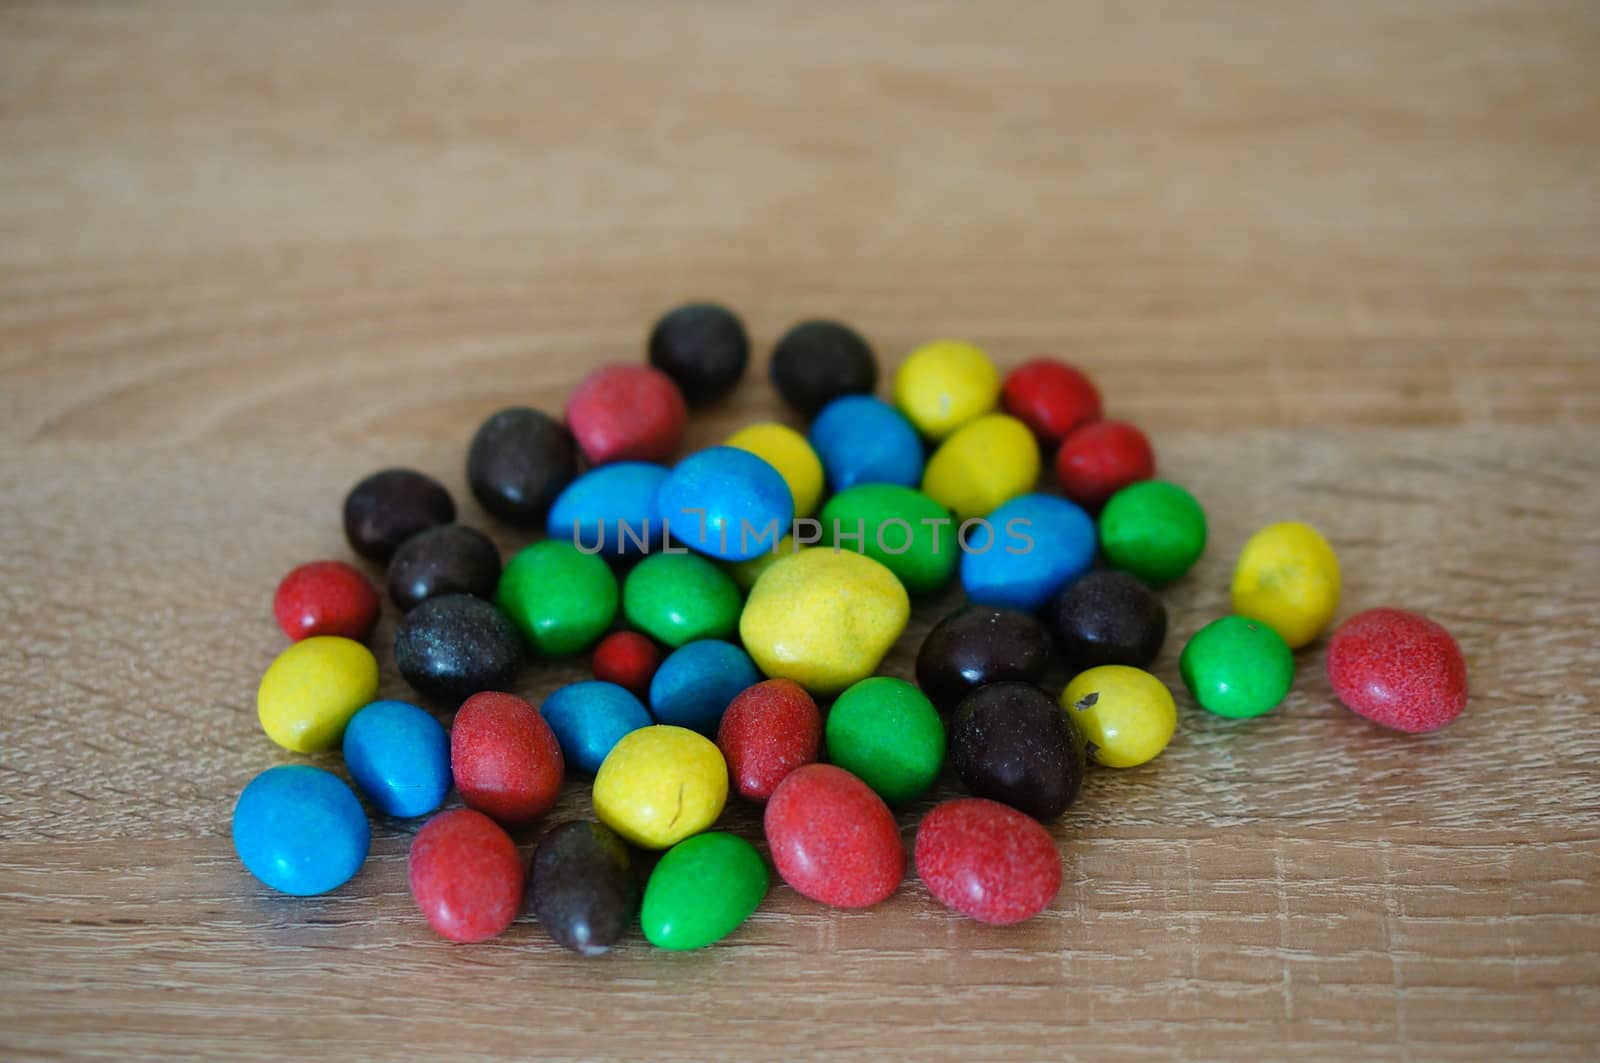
x=1343, y=261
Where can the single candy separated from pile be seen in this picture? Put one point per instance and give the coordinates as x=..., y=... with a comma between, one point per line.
x=987, y=861
x=1398, y=669
x=312, y=689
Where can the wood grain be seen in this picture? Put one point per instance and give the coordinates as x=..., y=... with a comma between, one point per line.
x=1342, y=260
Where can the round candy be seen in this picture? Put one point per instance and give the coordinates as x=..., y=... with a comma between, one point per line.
x=702, y=890
x=659, y=785
x=312, y=689
x=694, y=685
x=454, y=646
x=611, y=510
x=1010, y=743
x=1288, y=578
x=861, y=440
x=1101, y=458
x=1398, y=669
x=984, y=464
x=823, y=619
x=590, y=718
x=978, y=645
x=626, y=413
x=900, y=528
x=944, y=385
x=833, y=839
x=1154, y=529
x=326, y=598
x=1038, y=544
x=399, y=757
x=1107, y=617
x=389, y=507
x=769, y=730
x=888, y=735
x=560, y=598
x=1127, y=716
x=1237, y=667
x=819, y=361
x=505, y=759
x=465, y=875
x=727, y=503
x=678, y=598
x=449, y=559
x=787, y=451
x=519, y=461
x=987, y=861
x=1050, y=397
x=627, y=659
x=300, y=830
x=702, y=347
x=582, y=887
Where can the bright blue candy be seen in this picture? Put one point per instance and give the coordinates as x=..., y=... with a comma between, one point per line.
x=591, y=717
x=727, y=503
x=300, y=830
x=598, y=504
x=399, y=757
x=1015, y=573
x=694, y=685
x=864, y=441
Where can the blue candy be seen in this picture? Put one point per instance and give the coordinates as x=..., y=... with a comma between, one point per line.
x=864, y=441
x=300, y=830
x=399, y=757
x=694, y=685
x=727, y=503
x=591, y=717
x=1038, y=544
x=600, y=502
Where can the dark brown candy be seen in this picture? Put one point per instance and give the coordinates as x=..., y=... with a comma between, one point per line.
x=978, y=645
x=582, y=887
x=519, y=461
x=389, y=507
x=702, y=347
x=449, y=559
x=1107, y=618
x=1010, y=742
x=819, y=361
x=454, y=646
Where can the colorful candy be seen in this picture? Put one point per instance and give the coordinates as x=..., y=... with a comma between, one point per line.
x=702, y=890
x=519, y=461
x=888, y=734
x=945, y=384
x=627, y=659
x=326, y=598
x=560, y=598
x=1037, y=543
x=696, y=682
x=1398, y=669
x=1098, y=459
x=661, y=784
x=1050, y=397
x=861, y=440
x=1237, y=667
x=1288, y=578
x=610, y=510
x=816, y=362
x=582, y=887
x=984, y=464
x=447, y=559
x=626, y=413
x=466, y=876
x=788, y=452
x=1010, y=743
x=1154, y=529
x=389, y=507
x=505, y=759
x=677, y=598
x=769, y=730
x=978, y=645
x=451, y=647
x=833, y=839
x=702, y=347
x=312, y=689
x=589, y=719
x=727, y=503
x=399, y=757
x=300, y=830
x=1126, y=716
x=900, y=528
x=1107, y=617
x=987, y=861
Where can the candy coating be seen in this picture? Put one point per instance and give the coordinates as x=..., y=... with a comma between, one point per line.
x=300, y=830
x=312, y=689
x=1127, y=716
x=987, y=861
x=1287, y=577
x=984, y=464
x=945, y=384
x=1398, y=669
x=466, y=876
x=399, y=757
x=661, y=784
x=833, y=839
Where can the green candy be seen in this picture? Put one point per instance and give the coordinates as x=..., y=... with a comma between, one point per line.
x=1237, y=667
x=559, y=598
x=929, y=557
x=887, y=733
x=1153, y=529
x=702, y=889
x=677, y=598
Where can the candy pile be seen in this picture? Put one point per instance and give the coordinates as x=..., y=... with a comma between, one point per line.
x=750, y=594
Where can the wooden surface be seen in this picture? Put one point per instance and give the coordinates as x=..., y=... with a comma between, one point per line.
x=1343, y=260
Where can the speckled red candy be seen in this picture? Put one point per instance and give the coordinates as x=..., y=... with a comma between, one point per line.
x=627, y=659
x=767, y=732
x=987, y=860
x=505, y=759
x=833, y=839
x=1398, y=669
x=326, y=598
x=466, y=875
x=1050, y=397
x=1100, y=459
x=627, y=413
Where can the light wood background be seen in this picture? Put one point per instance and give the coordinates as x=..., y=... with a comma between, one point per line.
x=1343, y=261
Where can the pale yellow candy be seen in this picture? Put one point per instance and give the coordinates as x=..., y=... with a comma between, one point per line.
x=988, y=462
x=745, y=573
x=1126, y=714
x=945, y=384
x=1288, y=578
x=660, y=784
x=823, y=619
x=787, y=451
x=310, y=692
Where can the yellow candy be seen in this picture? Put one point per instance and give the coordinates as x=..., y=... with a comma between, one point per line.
x=745, y=573
x=823, y=619
x=1288, y=578
x=1127, y=715
x=945, y=384
x=988, y=462
x=310, y=692
x=661, y=784
x=787, y=451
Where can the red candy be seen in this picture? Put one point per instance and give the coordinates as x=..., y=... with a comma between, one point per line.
x=833, y=839
x=1100, y=459
x=505, y=759
x=767, y=732
x=466, y=875
x=627, y=413
x=1050, y=397
x=629, y=660
x=326, y=598
x=1398, y=669
x=988, y=861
